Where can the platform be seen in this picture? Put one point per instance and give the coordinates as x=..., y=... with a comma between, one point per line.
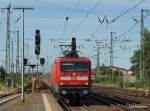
x=41, y=101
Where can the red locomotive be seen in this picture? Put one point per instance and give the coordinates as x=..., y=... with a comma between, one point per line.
x=70, y=76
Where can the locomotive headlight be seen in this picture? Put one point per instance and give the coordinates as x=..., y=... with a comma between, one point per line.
x=86, y=83
x=61, y=83
x=85, y=91
x=63, y=92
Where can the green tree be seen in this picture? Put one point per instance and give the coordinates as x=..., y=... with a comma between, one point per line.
x=2, y=73
x=135, y=60
x=147, y=54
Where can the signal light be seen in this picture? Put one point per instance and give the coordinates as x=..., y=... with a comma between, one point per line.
x=37, y=32
x=25, y=60
x=73, y=46
x=37, y=42
x=73, y=39
x=42, y=61
x=37, y=50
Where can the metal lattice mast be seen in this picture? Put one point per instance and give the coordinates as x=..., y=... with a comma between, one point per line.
x=98, y=59
x=142, y=48
x=12, y=61
x=8, y=37
x=7, y=56
x=111, y=53
x=12, y=57
x=111, y=49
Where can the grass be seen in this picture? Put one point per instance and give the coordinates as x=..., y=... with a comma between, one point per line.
x=118, y=82
x=2, y=85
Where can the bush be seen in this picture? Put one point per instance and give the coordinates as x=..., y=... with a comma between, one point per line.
x=136, y=85
x=118, y=81
x=115, y=80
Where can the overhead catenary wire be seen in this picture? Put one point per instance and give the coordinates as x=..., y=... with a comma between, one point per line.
x=101, y=21
x=116, y=18
x=85, y=12
x=64, y=26
x=68, y=18
x=76, y=5
x=59, y=6
x=128, y=30
x=92, y=9
x=130, y=49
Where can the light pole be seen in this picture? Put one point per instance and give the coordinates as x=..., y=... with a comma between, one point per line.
x=22, y=76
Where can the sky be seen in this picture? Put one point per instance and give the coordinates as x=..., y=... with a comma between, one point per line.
x=50, y=17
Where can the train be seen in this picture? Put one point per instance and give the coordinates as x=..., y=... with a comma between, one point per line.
x=70, y=76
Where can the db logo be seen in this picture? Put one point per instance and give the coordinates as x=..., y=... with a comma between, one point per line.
x=74, y=78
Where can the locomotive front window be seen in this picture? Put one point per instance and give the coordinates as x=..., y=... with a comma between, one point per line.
x=74, y=66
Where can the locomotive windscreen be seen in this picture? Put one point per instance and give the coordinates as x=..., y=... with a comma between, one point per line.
x=74, y=66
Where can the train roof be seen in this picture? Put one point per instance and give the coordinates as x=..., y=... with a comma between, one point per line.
x=81, y=59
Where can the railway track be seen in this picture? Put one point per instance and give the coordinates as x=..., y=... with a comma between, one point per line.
x=106, y=102
x=6, y=95
x=135, y=100
x=109, y=104
x=4, y=98
x=9, y=98
x=102, y=101
x=27, y=89
x=115, y=104
x=134, y=93
x=67, y=107
x=14, y=93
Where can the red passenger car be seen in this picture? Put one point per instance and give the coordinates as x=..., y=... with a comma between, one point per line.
x=70, y=77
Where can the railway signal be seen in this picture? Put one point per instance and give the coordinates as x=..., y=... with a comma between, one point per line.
x=37, y=42
x=37, y=50
x=25, y=61
x=73, y=45
x=42, y=61
x=73, y=48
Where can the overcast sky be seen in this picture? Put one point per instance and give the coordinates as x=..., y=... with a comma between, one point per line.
x=50, y=17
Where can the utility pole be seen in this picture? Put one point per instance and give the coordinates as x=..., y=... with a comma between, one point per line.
x=8, y=36
x=22, y=77
x=111, y=52
x=12, y=57
x=111, y=49
x=12, y=62
x=21, y=61
x=98, y=59
x=142, y=48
